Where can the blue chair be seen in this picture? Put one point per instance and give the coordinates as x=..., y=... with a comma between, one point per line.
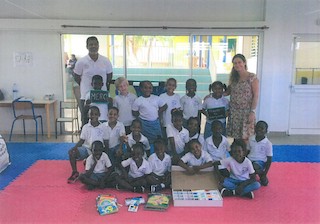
x=24, y=110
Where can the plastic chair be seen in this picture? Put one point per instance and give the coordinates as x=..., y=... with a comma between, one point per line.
x=68, y=114
x=24, y=110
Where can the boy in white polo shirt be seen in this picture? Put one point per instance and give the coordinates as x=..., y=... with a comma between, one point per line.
x=92, y=131
x=98, y=167
x=196, y=159
x=116, y=134
x=160, y=163
x=177, y=135
x=261, y=152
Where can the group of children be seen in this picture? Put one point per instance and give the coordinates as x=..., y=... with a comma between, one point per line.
x=117, y=148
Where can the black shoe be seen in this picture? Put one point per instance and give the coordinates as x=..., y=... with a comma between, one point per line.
x=155, y=188
x=139, y=189
x=226, y=193
x=90, y=187
x=249, y=195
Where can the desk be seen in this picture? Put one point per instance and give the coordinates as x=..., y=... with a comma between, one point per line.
x=46, y=104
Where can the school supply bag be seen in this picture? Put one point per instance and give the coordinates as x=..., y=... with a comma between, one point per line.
x=4, y=155
x=107, y=204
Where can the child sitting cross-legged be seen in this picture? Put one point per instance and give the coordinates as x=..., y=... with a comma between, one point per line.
x=98, y=168
x=139, y=168
x=196, y=159
x=160, y=163
x=242, y=180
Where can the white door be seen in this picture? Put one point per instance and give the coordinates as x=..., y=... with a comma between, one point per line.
x=305, y=88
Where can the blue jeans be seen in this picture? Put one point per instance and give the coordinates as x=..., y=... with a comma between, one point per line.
x=231, y=184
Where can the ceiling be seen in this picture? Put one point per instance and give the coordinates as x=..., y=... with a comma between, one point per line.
x=134, y=10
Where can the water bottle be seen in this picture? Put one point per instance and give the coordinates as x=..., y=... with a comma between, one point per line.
x=14, y=91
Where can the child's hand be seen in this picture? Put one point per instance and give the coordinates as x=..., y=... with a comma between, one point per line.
x=190, y=170
x=196, y=169
x=124, y=138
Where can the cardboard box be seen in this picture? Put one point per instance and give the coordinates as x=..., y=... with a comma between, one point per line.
x=198, y=190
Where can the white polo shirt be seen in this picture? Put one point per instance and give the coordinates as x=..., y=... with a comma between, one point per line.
x=217, y=153
x=115, y=133
x=134, y=171
x=180, y=137
x=87, y=68
x=190, y=106
x=124, y=104
x=160, y=167
x=102, y=164
x=238, y=171
x=260, y=150
x=172, y=102
x=91, y=134
x=191, y=160
x=148, y=107
x=143, y=140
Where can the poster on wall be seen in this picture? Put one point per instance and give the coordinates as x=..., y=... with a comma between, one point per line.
x=22, y=59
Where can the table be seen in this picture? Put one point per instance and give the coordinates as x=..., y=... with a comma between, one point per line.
x=46, y=104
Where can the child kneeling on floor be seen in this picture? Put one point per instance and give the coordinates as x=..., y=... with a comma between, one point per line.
x=139, y=168
x=160, y=163
x=242, y=179
x=98, y=168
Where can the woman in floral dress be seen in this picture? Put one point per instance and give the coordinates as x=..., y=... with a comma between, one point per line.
x=244, y=95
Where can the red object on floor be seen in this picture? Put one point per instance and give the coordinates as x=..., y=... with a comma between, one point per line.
x=42, y=195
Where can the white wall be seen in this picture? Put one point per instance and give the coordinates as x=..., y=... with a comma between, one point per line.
x=42, y=39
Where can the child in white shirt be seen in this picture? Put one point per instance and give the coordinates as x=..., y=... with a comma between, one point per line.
x=124, y=101
x=139, y=168
x=215, y=101
x=178, y=136
x=98, y=167
x=196, y=159
x=261, y=152
x=191, y=104
x=193, y=127
x=242, y=179
x=116, y=134
x=160, y=163
x=148, y=107
x=92, y=131
x=135, y=137
x=172, y=100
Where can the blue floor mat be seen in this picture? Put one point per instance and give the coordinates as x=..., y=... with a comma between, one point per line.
x=23, y=155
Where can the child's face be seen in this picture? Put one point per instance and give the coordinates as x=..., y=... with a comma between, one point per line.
x=94, y=114
x=196, y=149
x=238, y=154
x=146, y=89
x=177, y=122
x=137, y=154
x=123, y=88
x=160, y=150
x=217, y=130
x=191, y=86
x=97, y=151
x=136, y=128
x=217, y=91
x=171, y=86
x=260, y=129
x=97, y=84
x=193, y=126
x=113, y=115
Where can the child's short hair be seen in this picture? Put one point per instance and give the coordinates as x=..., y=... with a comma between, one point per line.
x=191, y=80
x=94, y=108
x=97, y=78
x=175, y=112
x=216, y=122
x=171, y=79
x=263, y=123
x=138, y=146
x=143, y=82
x=239, y=142
x=137, y=120
x=119, y=80
x=159, y=141
x=192, y=141
x=222, y=85
x=113, y=108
